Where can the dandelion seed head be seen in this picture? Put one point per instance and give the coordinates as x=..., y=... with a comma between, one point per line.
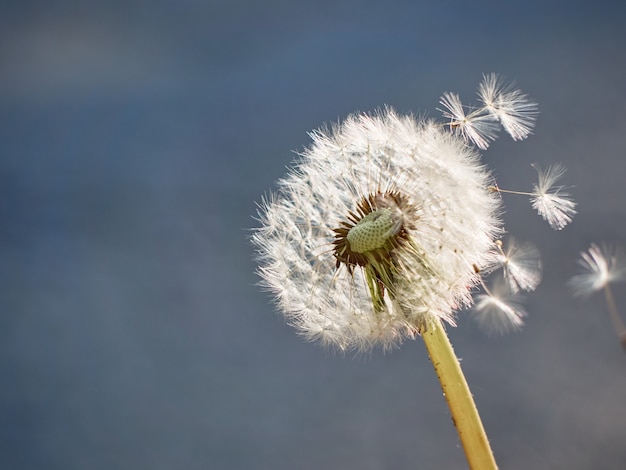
x=552, y=202
x=602, y=265
x=375, y=230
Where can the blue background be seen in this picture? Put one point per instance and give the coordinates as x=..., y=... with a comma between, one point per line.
x=135, y=138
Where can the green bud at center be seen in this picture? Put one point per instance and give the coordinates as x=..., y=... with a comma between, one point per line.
x=372, y=231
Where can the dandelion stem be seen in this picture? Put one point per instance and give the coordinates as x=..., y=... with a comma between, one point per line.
x=509, y=191
x=618, y=324
x=462, y=407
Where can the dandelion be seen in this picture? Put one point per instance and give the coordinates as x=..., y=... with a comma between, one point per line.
x=521, y=264
x=551, y=202
x=379, y=233
x=602, y=265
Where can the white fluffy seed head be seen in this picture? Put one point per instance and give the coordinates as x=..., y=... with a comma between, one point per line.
x=446, y=223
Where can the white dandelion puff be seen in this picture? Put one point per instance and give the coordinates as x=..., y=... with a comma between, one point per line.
x=499, y=310
x=552, y=202
x=512, y=107
x=602, y=265
x=476, y=126
x=376, y=230
x=521, y=264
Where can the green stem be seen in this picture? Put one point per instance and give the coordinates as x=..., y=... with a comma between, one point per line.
x=462, y=407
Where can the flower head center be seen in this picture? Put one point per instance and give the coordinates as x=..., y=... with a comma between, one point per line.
x=370, y=238
x=373, y=230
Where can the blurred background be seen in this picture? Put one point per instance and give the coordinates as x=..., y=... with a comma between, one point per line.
x=135, y=138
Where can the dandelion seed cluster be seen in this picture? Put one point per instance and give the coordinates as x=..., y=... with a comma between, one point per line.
x=385, y=222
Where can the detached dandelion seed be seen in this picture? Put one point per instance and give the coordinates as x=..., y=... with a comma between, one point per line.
x=552, y=202
x=513, y=108
x=499, y=310
x=503, y=106
x=602, y=265
x=477, y=126
x=521, y=264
